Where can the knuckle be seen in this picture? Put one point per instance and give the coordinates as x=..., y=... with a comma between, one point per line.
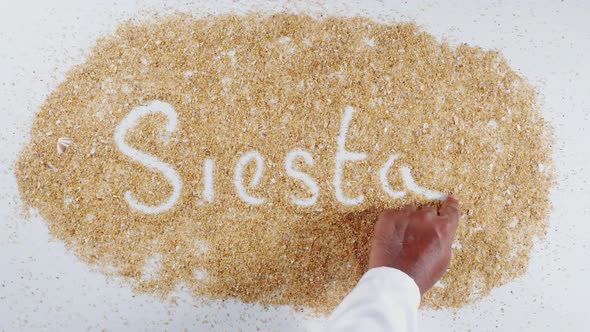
x=443, y=230
x=387, y=214
x=425, y=214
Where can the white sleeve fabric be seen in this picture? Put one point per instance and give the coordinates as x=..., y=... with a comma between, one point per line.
x=385, y=299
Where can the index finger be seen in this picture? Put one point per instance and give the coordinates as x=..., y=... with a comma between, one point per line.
x=450, y=209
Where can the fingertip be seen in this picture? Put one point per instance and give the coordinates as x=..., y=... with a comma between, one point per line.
x=450, y=206
x=451, y=200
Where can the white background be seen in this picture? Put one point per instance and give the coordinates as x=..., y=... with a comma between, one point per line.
x=45, y=287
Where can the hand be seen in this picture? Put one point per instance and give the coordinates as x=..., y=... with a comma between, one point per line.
x=416, y=241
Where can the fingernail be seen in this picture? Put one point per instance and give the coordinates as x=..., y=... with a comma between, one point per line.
x=452, y=196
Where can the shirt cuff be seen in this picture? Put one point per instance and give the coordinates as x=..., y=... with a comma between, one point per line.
x=392, y=278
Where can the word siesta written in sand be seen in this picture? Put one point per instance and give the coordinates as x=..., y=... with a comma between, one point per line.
x=341, y=159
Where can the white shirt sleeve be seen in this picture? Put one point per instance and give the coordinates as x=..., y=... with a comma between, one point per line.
x=385, y=299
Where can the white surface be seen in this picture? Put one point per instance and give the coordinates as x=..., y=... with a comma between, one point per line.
x=309, y=182
x=342, y=156
x=128, y=122
x=44, y=287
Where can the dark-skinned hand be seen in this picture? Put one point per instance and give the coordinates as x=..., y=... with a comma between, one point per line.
x=416, y=240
